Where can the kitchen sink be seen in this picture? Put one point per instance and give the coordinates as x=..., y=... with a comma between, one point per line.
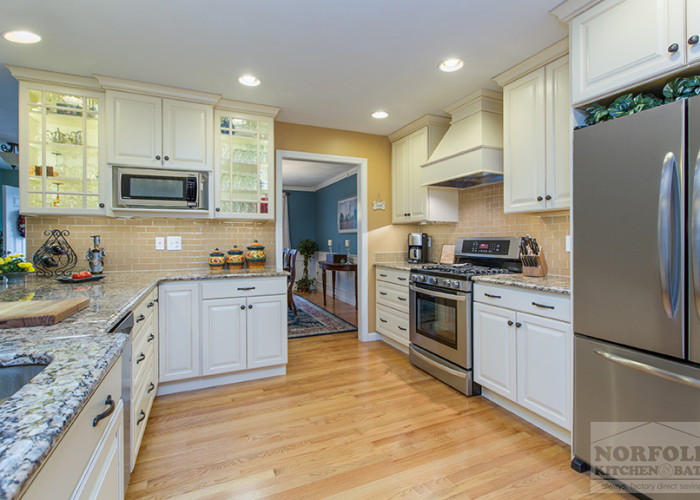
x=14, y=377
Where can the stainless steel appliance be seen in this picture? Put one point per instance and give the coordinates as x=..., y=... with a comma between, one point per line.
x=440, y=308
x=150, y=188
x=636, y=270
x=418, y=244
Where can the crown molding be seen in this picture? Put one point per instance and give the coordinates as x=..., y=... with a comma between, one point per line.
x=568, y=10
x=551, y=53
x=478, y=101
x=440, y=121
x=247, y=107
x=111, y=83
x=50, y=77
x=336, y=178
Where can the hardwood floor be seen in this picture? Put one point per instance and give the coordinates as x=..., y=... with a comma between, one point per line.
x=336, y=306
x=349, y=420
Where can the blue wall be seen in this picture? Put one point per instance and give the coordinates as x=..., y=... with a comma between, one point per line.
x=315, y=216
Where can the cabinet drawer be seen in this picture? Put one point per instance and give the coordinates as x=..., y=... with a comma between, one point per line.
x=395, y=276
x=224, y=289
x=141, y=409
x=548, y=305
x=392, y=322
x=395, y=296
x=143, y=351
x=145, y=308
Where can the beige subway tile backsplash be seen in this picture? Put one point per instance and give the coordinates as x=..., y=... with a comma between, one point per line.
x=130, y=243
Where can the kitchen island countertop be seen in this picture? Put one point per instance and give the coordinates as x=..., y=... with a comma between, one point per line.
x=552, y=284
x=78, y=352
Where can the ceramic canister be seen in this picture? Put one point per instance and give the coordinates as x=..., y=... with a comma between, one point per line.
x=217, y=259
x=255, y=256
x=235, y=258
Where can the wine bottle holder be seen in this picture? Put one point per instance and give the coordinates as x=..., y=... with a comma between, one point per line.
x=55, y=257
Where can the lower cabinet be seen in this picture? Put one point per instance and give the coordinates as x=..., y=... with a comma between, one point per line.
x=89, y=460
x=222, y=327
x=392, y=321
x=524, y=357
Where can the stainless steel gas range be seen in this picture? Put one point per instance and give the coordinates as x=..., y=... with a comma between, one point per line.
x=441, y=308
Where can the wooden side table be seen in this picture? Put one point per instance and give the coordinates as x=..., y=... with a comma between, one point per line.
x=326, y=266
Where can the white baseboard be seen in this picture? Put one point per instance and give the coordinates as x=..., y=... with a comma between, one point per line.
x=371, y=337
x=544, y=424
x=395, y=343
x=216, y=380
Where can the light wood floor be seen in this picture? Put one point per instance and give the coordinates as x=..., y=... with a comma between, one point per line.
x=336, y=306
x=349, y=420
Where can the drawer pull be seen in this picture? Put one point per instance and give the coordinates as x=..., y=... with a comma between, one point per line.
x=155, y=300
x=141, y=357
x=543, y=306
x=510, y=323
x=402, y=298
x=142, y=417
x=150, y=389
x=382, y=293
x=246, y=288
x=110, y=402
x=492, y=296
x=140, y=318
x=402, y=279
x=150, y=338
x=151, y=304
x=382, y=275
x=402, y=328
x=383, y=320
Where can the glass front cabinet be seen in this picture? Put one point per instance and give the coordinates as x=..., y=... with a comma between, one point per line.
x=61, y=163
x=244, y=184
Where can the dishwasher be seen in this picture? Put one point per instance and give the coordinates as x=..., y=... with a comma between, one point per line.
x=125, y=325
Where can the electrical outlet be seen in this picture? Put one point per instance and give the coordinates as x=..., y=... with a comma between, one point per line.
x=568, y=243
x=174, y=242
x=160, y=243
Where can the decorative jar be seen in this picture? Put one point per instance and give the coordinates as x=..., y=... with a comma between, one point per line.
x=255, y=257
x=217, y=260
x=235, y=258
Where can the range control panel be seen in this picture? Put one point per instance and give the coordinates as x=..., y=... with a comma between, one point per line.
x=506, y=248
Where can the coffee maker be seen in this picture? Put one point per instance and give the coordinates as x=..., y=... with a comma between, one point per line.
x=418, y=244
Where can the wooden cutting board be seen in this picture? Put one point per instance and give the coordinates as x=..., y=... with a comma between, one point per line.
x=39, y=312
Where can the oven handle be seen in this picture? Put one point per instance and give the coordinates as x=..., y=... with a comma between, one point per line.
x=439, y=366
x=433, y=293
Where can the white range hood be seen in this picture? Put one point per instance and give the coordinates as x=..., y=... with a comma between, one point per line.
x=471, y=152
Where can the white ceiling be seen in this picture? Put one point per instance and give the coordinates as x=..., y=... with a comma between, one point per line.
x=312, y=175
x=325, y=63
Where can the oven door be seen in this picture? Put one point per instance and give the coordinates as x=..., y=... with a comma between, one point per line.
x=439, y=322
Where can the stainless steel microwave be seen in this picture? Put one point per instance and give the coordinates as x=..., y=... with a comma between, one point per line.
x=151, y=188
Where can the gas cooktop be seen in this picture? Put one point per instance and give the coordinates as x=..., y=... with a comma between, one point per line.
x=466, y=270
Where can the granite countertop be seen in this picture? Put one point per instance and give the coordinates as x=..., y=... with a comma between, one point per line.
x=79, y=352
x=401, y=266
x=552, y=284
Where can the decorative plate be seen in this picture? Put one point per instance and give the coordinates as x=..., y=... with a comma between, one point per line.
x=82, y=280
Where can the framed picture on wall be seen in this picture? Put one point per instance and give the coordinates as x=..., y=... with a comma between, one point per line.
x=347, y=215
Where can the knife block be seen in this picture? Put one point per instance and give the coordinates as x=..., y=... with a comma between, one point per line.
x=539, y=270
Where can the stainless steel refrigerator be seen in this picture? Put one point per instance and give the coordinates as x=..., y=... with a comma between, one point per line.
x=636, y=274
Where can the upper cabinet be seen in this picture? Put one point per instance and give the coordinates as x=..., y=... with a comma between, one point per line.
x=411, y=202
x=616, y=44
x=61, y=137
x=537, y=132
x=148, y=131
x=244, y=173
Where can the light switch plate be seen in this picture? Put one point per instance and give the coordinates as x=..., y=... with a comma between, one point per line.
x=174, y=242
x=568, y=243
x=160, y=243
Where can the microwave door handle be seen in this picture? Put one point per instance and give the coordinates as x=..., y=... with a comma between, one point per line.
x=695, y=234
x=433, y=293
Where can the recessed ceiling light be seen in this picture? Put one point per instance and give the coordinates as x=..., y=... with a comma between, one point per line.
x=249, y=80
x=21, y=36
x=452, y=64
x=380, y=114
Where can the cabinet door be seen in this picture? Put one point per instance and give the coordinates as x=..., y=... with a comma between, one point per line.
x=179, y=331
x=495, y=349
x=267, y=331
x=187, y=135
x=544, y=367
x=693, y=29
x=399, y=180
x=524, y=143
x=223, y=335
x=620, y=42
x=416, y=195
x=558, y=132
x=134, y=132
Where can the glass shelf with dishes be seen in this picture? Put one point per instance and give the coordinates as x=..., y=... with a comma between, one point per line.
x=243, y=169
x=61, y=134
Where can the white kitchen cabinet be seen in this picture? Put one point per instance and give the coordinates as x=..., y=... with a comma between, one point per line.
x=223, y=335
x=392, y=295
x=265, y=319
x=536, y=137
x=149, y=131
x=412, y=202
x=179, y=331
x=244, y=173
x=523, y=349
x=88, y=462
x=61, y=140
x=616, y=44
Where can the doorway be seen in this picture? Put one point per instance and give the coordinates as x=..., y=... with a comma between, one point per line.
x=348, y=166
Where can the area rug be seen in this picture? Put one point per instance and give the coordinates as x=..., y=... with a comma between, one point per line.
x=313, y=320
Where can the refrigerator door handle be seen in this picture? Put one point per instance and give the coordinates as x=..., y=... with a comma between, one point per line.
x=695, y=234
x=649, y=369
x=669, y=234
